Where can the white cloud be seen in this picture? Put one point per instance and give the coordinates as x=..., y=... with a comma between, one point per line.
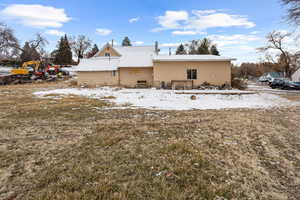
x=138, y=42
x=236, y=39
x=55, y=32
x=35, y=15
x=216, y=19
x=132, y=20
x=184, y=32
x=103, y=31
x=205, y=12
x=171, y=20
x=200, y=20
x=240, y=46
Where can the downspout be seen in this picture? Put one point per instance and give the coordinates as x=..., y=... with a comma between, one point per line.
x=119, y=76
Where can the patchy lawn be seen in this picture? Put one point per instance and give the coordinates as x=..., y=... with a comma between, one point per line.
x=73, y=147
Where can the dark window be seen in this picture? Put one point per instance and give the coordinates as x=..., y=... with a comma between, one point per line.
x=107, y=54
x=114, y=73
x=192, y=74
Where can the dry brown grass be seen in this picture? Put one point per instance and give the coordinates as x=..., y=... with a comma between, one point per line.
x=73, y=83
x=292, y=97
x=70, y=148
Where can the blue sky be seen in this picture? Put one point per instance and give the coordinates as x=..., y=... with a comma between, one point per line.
x=238, y=27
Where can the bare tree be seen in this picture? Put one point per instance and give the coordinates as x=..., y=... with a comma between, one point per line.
x=33, y=49
x=275, y=41
x=293, y=10
x=80, y=45
x=8, y=42
x=39, y=42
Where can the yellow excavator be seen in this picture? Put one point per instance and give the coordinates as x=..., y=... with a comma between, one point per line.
x=28, y=68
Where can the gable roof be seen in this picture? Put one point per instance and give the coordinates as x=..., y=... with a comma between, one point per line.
x=168, y=58
x=104, y=47
x=137, y=56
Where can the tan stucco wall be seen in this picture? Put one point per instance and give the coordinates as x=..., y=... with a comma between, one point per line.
x=216, y=73
x=98, y=78
x=130, y=76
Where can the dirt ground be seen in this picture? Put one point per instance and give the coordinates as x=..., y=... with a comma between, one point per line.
x=78, y=148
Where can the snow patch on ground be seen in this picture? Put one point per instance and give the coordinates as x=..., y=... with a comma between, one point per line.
x=169, y=100
x=5, y=70
x=71, y=70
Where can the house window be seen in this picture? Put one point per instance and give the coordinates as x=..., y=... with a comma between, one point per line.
x=114, y=73
x=191, y=74
x=107, y=54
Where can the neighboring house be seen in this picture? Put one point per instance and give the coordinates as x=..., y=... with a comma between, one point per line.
x=296, y=76
x=142, y=65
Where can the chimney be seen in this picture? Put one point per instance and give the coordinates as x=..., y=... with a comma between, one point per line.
x=156, y=48
x=170, y=51
x=112, y=43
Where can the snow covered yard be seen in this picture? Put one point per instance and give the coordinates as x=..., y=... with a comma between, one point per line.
x=169, y=100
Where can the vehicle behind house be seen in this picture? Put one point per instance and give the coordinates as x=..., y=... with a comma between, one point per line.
x=277, y=83
x=269, y=77
x=285, y=84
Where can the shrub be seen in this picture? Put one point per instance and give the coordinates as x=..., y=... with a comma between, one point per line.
x=73, y=83
x=238, y=84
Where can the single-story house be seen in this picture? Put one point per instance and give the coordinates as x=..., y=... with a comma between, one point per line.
x=296, y=76
x=142, y=65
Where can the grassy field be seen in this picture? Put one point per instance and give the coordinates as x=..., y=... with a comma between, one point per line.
x=77, y=148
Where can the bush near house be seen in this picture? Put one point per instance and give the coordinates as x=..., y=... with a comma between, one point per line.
x=238, y=84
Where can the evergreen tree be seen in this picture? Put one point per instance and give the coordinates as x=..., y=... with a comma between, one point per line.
x=180, y=50
x=35, y=55
x=26, y=53
x=214, y=50
x=204, y=47
x=29, y=53
x=193, y=47
x=93, y=52
x=63, y=55
x=126, y=42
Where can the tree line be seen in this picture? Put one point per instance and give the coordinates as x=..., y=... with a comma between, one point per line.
x=198, y=47
x=66, y=49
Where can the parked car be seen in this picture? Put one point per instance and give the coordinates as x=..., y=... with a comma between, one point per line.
x=270, y=77
x=289, y=85
x=277, y=83
x=285, y=84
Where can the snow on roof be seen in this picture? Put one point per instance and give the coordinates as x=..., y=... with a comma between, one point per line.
x=135, y=56
x=138, y=56
x=98, y=64
x=191, y=58
x=134, y=49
